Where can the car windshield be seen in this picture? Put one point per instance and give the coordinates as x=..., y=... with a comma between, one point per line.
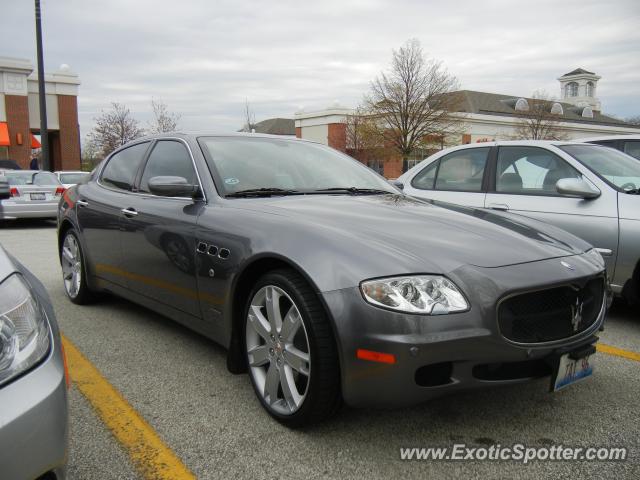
x=245, y=164
x=618, y=169
x=40, y=179
x=75, y=177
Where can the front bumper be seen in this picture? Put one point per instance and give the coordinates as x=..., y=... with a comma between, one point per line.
x=13, y=209
x=437, y=355
x=34, y=421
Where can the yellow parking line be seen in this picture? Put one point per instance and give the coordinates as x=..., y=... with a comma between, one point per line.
x=150, y=455
x=618, y=352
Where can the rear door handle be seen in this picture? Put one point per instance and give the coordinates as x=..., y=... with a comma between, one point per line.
x=499, y=206
x=129, y=212
x=82, y=203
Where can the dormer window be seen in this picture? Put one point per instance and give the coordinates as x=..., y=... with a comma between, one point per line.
x=522, y=105
x=590, y=88
x=571, y=90
x=587, y=112
x=556, y=109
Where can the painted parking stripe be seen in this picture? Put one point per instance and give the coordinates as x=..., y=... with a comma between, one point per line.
x=150, y=455
x=618, y=352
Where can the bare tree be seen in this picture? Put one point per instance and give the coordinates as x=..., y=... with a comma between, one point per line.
x=539, y=121
x=413, y=100
x=163, y=119
x=363, y=139
x=114, y=128
x=634, y=120
x=90, y=154
x=249, y=118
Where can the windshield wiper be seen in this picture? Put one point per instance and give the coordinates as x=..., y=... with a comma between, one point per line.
x=262, y=192
x=353, y=190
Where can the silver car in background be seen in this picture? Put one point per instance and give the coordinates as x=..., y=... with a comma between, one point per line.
x=33, y=381
x=69, y=178
x=589, y=190
x=32, y=194
x=629, y=144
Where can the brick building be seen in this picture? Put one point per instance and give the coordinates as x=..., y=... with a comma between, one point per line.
x=20, y=114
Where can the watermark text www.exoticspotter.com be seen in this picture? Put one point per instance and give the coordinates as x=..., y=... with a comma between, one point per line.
x=515, y=453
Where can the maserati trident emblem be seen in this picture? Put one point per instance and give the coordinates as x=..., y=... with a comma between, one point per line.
x=567, y=265
x=576, y=314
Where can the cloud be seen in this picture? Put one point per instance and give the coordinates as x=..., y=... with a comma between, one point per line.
x=205, y=58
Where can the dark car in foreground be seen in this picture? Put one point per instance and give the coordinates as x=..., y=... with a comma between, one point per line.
x=325, y=282
x=33, y=390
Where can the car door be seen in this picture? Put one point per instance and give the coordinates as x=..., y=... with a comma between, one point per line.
x=456, y=177
x=525, y=183
x=158, y=237
x=99, y=211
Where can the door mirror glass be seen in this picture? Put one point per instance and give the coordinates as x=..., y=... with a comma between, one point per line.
x=575, y=187
x=5, y=189
x=172, y=187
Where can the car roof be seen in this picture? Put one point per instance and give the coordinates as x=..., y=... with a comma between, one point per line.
x=521, y=143
x=611, y=137
x=209, y=133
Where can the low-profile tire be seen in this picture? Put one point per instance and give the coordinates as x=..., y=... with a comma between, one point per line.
x=290, y=350
x=74, y=271
x=631, y=292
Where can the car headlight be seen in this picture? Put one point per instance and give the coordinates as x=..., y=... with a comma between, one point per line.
x=24, y=333
x=426, y=294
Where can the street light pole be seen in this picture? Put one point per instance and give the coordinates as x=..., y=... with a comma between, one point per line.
x=44, y=137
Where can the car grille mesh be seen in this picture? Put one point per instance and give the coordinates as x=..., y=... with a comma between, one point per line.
x=552, y=314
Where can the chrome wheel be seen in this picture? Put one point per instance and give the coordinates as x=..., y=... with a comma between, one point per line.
x=71, y=265
x=278, y=350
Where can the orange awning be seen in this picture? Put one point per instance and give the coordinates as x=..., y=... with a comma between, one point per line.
x=4, y=135
x=34, y=142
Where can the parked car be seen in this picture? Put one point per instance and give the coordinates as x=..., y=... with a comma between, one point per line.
x=7, y=164
x=32, y=194
x=70, y=178
x=34, y=437
x=629, y=144
x=324, y=281
x=588, y=190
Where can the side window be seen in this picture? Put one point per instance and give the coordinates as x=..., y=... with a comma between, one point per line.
x=168, y=158
x=531, y=170
x=120, y=171
x=462, y=170
x=632, y=148
x=426, y=177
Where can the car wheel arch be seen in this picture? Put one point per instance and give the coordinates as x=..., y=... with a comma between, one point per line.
x=241, y=288
x=65, y=226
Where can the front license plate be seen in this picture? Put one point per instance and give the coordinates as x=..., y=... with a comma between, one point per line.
x=572, y=371
x=37, y=196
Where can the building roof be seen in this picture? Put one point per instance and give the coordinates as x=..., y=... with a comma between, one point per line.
x=276, y=126
x=498, y=104
x=578, y=71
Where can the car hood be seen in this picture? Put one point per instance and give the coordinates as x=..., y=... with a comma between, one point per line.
x=435, y=233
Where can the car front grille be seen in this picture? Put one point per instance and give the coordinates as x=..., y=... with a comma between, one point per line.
x=552, y=314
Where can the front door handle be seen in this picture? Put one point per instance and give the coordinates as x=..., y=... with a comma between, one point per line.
x=129, y=212
x=605, y=252
x=82, y=203
x=499, y=206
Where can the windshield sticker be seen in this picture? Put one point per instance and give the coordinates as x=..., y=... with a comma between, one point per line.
x=231, y=181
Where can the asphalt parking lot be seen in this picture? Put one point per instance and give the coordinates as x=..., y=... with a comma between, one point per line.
x=177, y=381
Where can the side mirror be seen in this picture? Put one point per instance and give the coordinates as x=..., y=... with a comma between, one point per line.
x=576, y=187
x=172, y=187
x=396, y=183
x=5, y=189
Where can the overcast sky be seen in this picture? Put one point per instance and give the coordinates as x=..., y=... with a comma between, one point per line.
x=204, y=57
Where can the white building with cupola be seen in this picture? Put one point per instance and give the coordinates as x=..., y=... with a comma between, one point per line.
x=485, y=117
